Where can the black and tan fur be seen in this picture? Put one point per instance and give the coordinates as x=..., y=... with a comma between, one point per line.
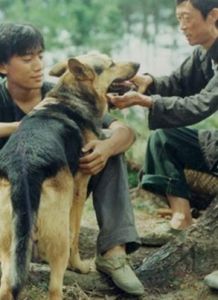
x=39, y=173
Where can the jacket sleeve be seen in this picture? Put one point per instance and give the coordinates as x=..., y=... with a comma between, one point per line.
x=187, y=80
x=175, y=111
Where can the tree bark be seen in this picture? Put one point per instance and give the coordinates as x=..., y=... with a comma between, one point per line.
x=194, y=250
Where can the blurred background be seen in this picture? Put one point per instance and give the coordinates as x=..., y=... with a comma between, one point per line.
x=145, y=31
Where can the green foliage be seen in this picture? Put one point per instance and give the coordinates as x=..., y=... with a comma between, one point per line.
x=208, y=123
x=136, y=118
x=86, y=23
x=89, y=23
x=132, y=178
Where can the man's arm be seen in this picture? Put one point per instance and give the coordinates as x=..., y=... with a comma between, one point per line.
x=188, y=79
x=167, y=112
x=97, y=152
x=7, y=129
x=122, y=137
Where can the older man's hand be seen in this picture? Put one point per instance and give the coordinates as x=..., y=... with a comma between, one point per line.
x=130, y=99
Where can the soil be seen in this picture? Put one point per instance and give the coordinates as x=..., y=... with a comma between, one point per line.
x=191, y=287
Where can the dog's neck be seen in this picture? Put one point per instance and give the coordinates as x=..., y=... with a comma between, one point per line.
x=73, y=97
x=67, y=104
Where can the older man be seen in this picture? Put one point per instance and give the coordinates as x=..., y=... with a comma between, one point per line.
x=188, y=95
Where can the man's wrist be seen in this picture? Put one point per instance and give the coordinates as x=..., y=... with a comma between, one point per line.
x=146, y=101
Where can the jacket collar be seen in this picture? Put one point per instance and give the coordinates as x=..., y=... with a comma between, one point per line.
x=212, y=53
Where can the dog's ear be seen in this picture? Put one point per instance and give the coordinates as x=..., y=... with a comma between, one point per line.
x=58, y=69
x=80, y=71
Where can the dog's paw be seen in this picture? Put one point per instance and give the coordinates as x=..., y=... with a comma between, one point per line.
x=80, y=266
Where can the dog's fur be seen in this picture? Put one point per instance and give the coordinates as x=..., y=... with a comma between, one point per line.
x=39, y=172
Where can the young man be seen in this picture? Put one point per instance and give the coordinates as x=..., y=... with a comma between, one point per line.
x=21, y=63
x=187, y=96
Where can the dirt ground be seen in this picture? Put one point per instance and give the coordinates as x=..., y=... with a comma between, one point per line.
x=190, y=288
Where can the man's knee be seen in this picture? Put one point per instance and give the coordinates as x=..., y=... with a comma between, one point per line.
x=157, y=140
x=163, y=138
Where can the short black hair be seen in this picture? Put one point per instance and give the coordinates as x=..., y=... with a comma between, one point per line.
x=204, y=6
x=18, y=39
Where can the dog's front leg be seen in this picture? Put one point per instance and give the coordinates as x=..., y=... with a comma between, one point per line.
x=5, y=239
x=5, y=290
x=80, y=194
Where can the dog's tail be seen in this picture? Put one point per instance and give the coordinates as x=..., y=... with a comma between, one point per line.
x=25, y=197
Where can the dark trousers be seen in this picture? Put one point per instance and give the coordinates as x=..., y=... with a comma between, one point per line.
x=169, y=152
x=113, y=208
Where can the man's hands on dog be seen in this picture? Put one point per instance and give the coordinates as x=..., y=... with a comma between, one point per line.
x=96, y=154
x=138, y=83
x=129, y=99
x=142, y=82
x=137, y=86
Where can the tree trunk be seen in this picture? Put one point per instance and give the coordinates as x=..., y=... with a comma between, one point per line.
x=194, y=250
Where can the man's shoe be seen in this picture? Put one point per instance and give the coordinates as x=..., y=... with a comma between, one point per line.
x=118, y=268
x=211, y=280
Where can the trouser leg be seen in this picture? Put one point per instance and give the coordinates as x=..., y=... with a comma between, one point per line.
x=113, y=208
x=169, y=152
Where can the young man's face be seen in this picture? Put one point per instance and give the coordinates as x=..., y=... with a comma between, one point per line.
x=25, y=71
x=198, y=31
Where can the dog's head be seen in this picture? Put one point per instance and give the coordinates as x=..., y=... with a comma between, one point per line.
x=94, y=72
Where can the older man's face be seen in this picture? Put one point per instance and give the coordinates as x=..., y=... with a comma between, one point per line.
x=198, y=31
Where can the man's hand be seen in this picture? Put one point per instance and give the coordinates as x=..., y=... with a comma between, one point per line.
x=129, y=99
x=141, y=82
x=96, y=154
x=138, y=83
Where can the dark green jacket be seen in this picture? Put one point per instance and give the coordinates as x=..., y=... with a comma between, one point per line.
x=188, y=96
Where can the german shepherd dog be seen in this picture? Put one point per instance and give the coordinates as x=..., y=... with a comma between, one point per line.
x=42, y=192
